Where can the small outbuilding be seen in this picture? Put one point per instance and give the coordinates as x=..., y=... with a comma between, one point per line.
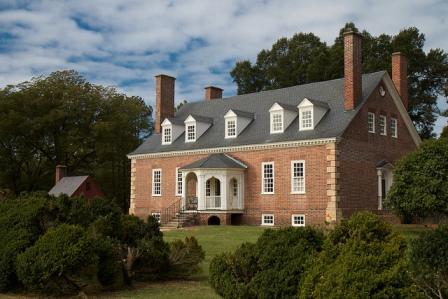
x=74, y=185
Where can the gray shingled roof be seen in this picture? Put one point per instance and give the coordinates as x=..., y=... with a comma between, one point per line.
x=245, y=114
x=215, y=161
x=319, y=103
x=67, y=185
x=333, y=123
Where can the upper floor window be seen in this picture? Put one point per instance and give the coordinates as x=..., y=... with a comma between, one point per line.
x=298, y=177
x=268, y=178
x=277, y=122
x=371, y=122
x=178, y=182
x=393, y=127
x=157, y=182
x=230, y=128
x=167, y=135
x=306, y=118
x=382, y=125
x=191, y=133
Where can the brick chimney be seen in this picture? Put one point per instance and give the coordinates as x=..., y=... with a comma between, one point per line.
x=352, y=70
x=400, y=76
x=164, y=100
x=61, y=171
x=212, y=92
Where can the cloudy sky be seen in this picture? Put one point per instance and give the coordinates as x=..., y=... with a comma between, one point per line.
x=124, y=43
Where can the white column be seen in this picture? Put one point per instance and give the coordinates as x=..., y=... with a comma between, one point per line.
x=379, y=172
x=224, y=185
x=241, y=191
x=184, y=189
x=200, y=192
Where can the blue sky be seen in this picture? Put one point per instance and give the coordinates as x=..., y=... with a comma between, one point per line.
x=124, y=43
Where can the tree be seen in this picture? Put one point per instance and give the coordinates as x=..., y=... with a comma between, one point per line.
x=361, y=258
x=63, y=119
x=304, y=58
x=420, y=181
x=429, y=262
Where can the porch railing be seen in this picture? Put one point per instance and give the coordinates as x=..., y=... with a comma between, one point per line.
x=170, y=212
x=213, y=202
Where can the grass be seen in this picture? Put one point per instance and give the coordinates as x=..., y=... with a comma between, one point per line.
x=214, y=240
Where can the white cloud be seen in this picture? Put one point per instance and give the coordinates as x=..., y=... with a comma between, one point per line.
x=125, y=43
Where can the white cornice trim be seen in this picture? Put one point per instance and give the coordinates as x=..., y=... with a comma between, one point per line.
x=240, y=148
x=403, y=112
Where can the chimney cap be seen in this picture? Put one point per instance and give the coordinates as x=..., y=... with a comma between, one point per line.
x=213, y=87
x=351, y=32
x=61, y=166
x=398, y=53
x=164, y=75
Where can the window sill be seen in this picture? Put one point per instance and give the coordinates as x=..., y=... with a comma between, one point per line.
x=298, y=193
x=267, y=224
x=156, y=195
x=267, y=193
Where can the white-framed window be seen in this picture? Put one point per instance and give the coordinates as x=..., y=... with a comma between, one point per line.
x=267, y=219
x=371, y=122
x=156, y=182
x=157, y=216
x=190, y=134
x=298, y=220
x=167, y=137
x=178, y=182
x=267, y=169
x=277, y=122
x=230, y=128
x=298, y=177
x=306, y=118
x=382, y=125
x=394, y=127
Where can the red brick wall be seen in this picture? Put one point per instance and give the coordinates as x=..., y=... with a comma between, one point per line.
x=89, y=189
x=282, y=204
x=361, y=150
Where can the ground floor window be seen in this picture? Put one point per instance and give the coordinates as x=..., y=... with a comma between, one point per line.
x=267, y=219
x=298, y=220
x=156, y=215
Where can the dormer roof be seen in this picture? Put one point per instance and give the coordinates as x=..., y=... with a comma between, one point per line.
x=199, y=118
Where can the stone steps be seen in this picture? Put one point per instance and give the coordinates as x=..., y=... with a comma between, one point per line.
x=181, y=220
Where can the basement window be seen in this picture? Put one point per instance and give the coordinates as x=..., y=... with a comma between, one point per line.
x=298, y=220
x=267, y=219
x=156, y=215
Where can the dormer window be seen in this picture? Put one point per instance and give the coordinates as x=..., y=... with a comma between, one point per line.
x=167, y=135
x=230, y=128
x=310, y=113
x=191, y=133
x=277, y=122
x=281, y=116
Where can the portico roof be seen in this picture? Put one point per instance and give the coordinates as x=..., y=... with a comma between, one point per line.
x=216, y=161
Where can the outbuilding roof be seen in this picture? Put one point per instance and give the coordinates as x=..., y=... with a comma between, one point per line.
x=328, y=93
x=67, y=185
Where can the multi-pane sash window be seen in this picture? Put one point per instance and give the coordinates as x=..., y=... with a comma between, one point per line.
x=307, y=119
x=393, y=127
x=156, y=182
x=371, y=122
x=382, y=125
x=297, y=177
x=277, y=122
x=156, y=215
x=231, y=128
x=267, y=219
x=191, y=133
x=167, y=135
x=268, y=178
x=235, y=187
x=178, y=182
x=298, y=220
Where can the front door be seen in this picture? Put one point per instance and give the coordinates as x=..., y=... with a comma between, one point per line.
x=191, y=200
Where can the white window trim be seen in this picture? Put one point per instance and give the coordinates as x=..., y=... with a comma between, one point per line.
x=163, y=134
x=394, y=133
x=267, y=224
x=262, y=177
x=234, y=119
x=177, y=182
x=153, y=182
x=383, y=117
x=157, y=214
x=186, y=132
x=306, y=109
x=373, y=118
x=281, y=113
x=292, y=177
x=298, y=215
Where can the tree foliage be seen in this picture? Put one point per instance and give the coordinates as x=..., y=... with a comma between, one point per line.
x=63, y=119
x=304, y=58
x=420, y=181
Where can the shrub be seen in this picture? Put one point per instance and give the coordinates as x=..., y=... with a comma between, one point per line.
x=429, y=262
x=185, y=257
x=110, y=269
x=271, y=268
x=56, y=259
x=362, y=258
